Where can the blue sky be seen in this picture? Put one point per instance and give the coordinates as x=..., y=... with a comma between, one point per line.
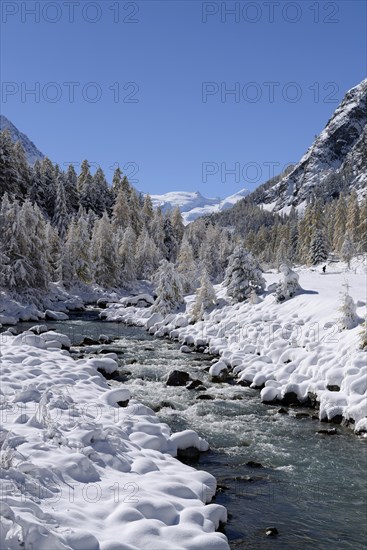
x=150, y=81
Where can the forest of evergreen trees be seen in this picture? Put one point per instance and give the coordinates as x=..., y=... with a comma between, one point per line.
x=62, y=226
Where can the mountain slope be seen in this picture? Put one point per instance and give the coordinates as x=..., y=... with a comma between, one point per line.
x=336, y=160
x=193, y=204
x=32, y=153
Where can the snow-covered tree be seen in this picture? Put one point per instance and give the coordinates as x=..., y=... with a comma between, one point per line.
x=147, y=256
x=48, y=185
x=23, y=169
x=348, y=316
x=53, y=251
x=186, y=267
x=170, y=241
x=126, y=256
x=347, y=250
x=288, y=285
x=104, y=253
x=210, y=255
x=243, y=275
x=318, y=248
x=177, y=224
x=136, y=218
x=169, y=289
x=121, y=212
x=362, y=227
x=101, y=195
x=116, y=180
x=71, y=182
x=148, y=211
x=340, y=223
x=61, y=215
x=9, y=179
x=205, y=297
x=353, y=217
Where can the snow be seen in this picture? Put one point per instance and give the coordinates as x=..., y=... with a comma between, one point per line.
x=193, y=205
x=80, y=472
x=294, y=347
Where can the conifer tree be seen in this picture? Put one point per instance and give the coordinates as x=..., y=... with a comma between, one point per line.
x=347, y=250
x=186, y=267
x=177, y=224
x=205, y=297
x=169, y=289
x=9, y=182
x=169, y=240
x=147, y=256
x=22, y=168
x=148, y=212
x=116, y=180
x=101, y=198
x=71, y=183
x=104, y=253
x=126, y=254
x=318, y=248
x=348, y=318
x=136, y=219
x=288, y=285
x=353, y=219
x=121, y=212
x=61, y=216
x=48, y=185
x=340, y=223
x=243, y=275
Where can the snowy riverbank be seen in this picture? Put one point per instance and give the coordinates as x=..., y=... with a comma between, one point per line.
x=293, y=352
x=82, y=468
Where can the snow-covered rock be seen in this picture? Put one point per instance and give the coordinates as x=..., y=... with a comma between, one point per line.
x=81, y=472
x=56, y=315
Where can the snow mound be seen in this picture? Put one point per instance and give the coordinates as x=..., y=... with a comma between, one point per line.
x=80, y=472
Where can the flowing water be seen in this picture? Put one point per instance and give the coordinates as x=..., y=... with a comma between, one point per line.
x=311, y=487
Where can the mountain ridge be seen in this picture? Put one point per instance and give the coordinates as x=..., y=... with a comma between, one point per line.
x=31, y=151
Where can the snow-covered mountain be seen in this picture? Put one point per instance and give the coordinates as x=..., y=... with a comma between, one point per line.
x=32, y=153
x=194, y=204
x=338, y=157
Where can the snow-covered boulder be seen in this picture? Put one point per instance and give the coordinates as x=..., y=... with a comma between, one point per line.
x=56, y=315
x=218, y=372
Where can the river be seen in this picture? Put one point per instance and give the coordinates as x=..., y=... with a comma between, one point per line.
x=311, y=487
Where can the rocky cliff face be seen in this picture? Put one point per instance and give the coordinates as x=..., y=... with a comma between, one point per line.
x=32, y=153
x=338, y=157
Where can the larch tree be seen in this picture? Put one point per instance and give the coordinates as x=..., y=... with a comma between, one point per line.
x=186, y=267
x=121, y=211
x=104, y=253
x=126, y=254
x=177, y=224
x=340, y=223
x=147, y=256
x=347, y=250
x=205, y=297
x=353, y=217
x=168, y=288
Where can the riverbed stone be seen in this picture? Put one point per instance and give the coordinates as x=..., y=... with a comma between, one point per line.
x=328, y=431
x=194, y=384
x=178, y=378
x=253, y=464
x=271, y=531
